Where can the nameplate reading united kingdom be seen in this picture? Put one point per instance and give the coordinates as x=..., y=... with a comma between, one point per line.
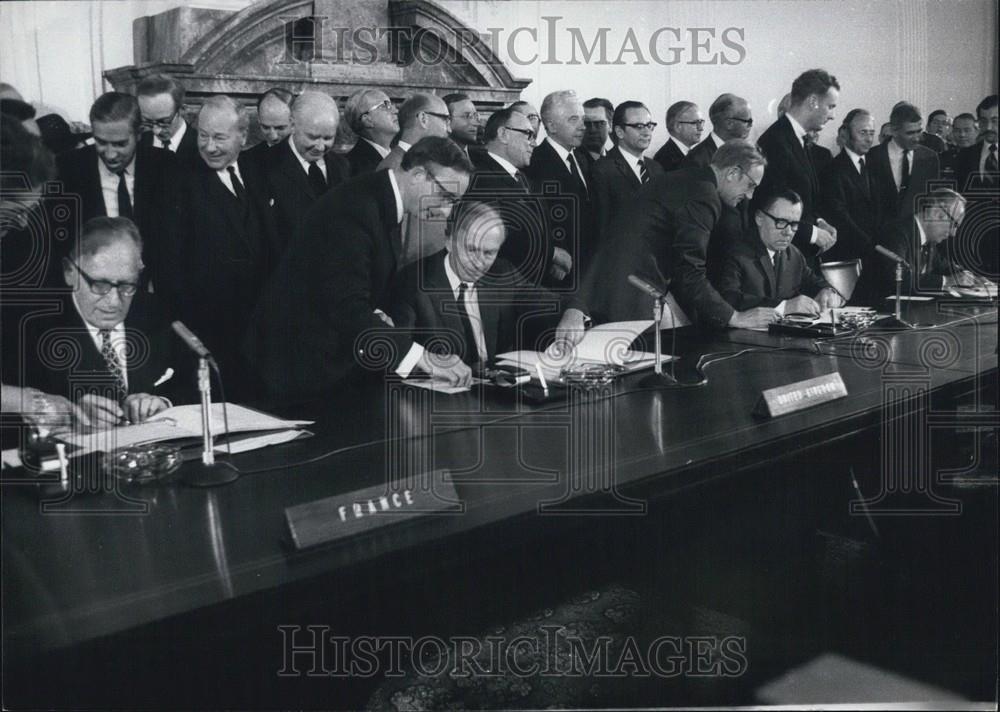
x=365, y=510
x=798, y=396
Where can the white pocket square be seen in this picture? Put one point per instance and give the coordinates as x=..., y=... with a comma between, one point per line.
x=167, y=375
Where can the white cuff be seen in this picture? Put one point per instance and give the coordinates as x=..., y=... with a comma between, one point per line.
x=780, y=309
x=815, y=233
x=410, y=361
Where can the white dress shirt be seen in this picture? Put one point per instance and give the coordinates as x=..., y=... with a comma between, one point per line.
x=118, y=342
x=855, y=159
x=632, y=160
x=109, y=186
x=416, y=351
x=565, y=156
x=896, y=162
x=303, y=162
x=175, y=138
x=681, y=146
x=382, y=150
x=227, y=181
x=504, y=163
x=471, y=306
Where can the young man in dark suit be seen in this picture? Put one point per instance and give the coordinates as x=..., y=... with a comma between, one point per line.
x=684, y=124
x=274, y=120
x=322, y=316
x=901, y=168
x=769, y=271
x=976, y=167
x=617, y=177
x=161, y=100
x=302, y=167
x=475, y=303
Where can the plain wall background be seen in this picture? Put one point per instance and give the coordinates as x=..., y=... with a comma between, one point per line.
x=935, y=53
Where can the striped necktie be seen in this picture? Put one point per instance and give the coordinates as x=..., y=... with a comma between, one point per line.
x=643, y=173
x=114, y=365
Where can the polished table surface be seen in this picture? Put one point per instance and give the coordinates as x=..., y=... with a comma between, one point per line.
x=98, y=564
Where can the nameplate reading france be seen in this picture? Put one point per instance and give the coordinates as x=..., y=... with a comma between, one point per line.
x=803, y=394
x=346, y=515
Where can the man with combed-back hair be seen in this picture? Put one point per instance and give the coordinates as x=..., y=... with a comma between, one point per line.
x=420, y=115
x=373, y=118
x=901, y=168
x=684, y=126
x=274, y=120
x=161, y=101
x=731, y=118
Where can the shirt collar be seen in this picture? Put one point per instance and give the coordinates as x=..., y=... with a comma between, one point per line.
x=683, y=147
x=175, y=138
x=716, y=139
x=382, y=150
x=855, y=158
x=106, y=172
x=117, y=332
x=504, y=163
x=397, y=195
x=895, y=151
x=453, y=279
x=563, y=153
x=800, y=133
x=235, y=165
x=295, y=152
x=630, y=157
x=404, y=146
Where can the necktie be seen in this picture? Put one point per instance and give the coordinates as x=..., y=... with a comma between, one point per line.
x=991, y=163
x=904, y=179
x=316, y=179
x=471, y=351
x=124, y=201
x=520, y=178
x=779, y=262
x=864, y=176
x=643, y=173
x=575, y=172
x=113, y=364
x=168, y=144
x=925, y=258
x=238, y=188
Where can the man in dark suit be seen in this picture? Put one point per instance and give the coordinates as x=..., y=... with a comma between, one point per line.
x=976, y=167
x=731, y=119
x=302, y=167
x=964, y=132
x=274, y=119
x=420, y=115
x=597, y=116
x=323, y=312
x=938, y=128
x=668, y=234
x=789, y=162
x=464, y=120
x=225, y=243
x=114, y=177
x=901, y=168
x=372, y=116
x=616, y=178
x=161, y=100
x=769, y=271
x=684, y=124
x=474, y=301
x=510, y=141
x=123, y=354
x=556, y=171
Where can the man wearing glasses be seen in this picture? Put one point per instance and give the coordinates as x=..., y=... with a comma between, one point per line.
x=617, y=177
x=684, y=125
x=120, y=369
x=372, y=116
x=420, y=115
x=731, y=119
x=769, y=271
x=161, y=99
x=464, y=120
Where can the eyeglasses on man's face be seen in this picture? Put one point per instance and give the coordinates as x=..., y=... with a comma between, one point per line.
x=527, y=132
x=751, y=183
x=164, y=123
x=781, y=223
x=443, y=191
x=748, y=122
x=444, y=117
x=700, y=123
x=648, y=126
x=103, y=287
x=386, y=104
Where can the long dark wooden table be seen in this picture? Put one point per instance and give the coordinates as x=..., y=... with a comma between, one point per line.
x=94, y=566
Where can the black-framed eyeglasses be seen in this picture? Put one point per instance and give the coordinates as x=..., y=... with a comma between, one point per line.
x=781, y=223
x=163, y=123
x=595, y=122
x=700, y=123
x=527, y=132
x=468, y=116
x=387, y=105
x=444, y=117
x=649, y=126
x=103, y=287
x=447, y=194
x=748, y=122
x=753, y=184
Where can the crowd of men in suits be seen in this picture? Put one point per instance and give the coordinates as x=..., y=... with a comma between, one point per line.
x=299, y=266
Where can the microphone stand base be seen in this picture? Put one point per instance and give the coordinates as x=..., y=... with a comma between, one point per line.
x=891, y=322
x=198, y=474
x=658, y=380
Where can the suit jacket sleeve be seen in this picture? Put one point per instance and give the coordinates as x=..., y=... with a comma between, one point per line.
x=697, y=296
x=836, y=207
x=733, y=279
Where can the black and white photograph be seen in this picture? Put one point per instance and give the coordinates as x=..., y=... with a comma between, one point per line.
x=499, y=354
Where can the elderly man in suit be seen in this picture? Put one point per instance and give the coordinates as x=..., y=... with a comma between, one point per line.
x=901, y=168
x=372, y=116
x=124, y=355
x=161, y=99
x=469, y=298
x=303, y=167
x=529, y=110
x=684, y=124
x=731, y=119
x=114, y=177
x=323, y=312
x=274, y=119
x=668, y=234
x=420, y=115
x=769, y=271
x=617, y=177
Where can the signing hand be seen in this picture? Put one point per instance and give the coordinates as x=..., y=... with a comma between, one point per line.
x=756, y=318
x=829, y=298
x=802, y=305
x=446, y=367
x=103, y=412
x=140, y=406
x=570, y=330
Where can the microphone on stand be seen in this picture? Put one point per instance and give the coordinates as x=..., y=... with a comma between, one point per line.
x=659, y=297
x=645, y=286
x=891, y=255
x=193, y=343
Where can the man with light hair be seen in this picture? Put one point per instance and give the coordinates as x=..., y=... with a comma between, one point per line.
x=684, y=126
x=420, y=115
x=372, y=116
x=731, y=119
x=303, y=167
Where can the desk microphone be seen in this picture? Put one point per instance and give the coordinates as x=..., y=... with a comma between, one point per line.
x=642, y=285
x=192, y=341
x=891, y=255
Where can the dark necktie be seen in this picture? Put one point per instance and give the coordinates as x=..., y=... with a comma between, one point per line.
x=522, y=180
x=241, y=193
x=167, y=144
x=113, y=364
x=316, y=179
x=471, y=352
x=779, y=263
x=925, y=259
x=904, y=179
x=643, y=173
x=124, y=201
x=575, y=172
x=990, y=165
x=864, y=176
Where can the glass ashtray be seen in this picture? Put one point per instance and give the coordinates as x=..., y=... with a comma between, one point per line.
x=143, y=464
x=591, y=375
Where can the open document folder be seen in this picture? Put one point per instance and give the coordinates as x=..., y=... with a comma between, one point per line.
x=608, y=344
x=179, y=422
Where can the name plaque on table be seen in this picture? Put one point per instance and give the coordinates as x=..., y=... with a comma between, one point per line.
x=345, y=515
x=798, y=396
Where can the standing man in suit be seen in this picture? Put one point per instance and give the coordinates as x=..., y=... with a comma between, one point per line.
x=123, y=349
x=274, y=118
x=372, y=116
x=420, y=115
x=978, y=178
x=499, y=178
x=963, y=135
x=597, y=116
x=476, y=302
x=556, y=171
x=938, y=131
x=226, y=242
x=769, y=271
x=731, y=119
x=668, y=233
x=684, y=124
x=161, y=99
x=464, y=120
x=976, y=167
x=902, y=168
x=531, y=112
x=617, y=177
x=324, y=311
x=113, y=177
x=302, y=167
x=789, y=161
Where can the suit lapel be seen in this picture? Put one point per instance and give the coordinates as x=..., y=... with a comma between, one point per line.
x=293, y=170
x=626, y=170
x=94, y=183
x=767, y=267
